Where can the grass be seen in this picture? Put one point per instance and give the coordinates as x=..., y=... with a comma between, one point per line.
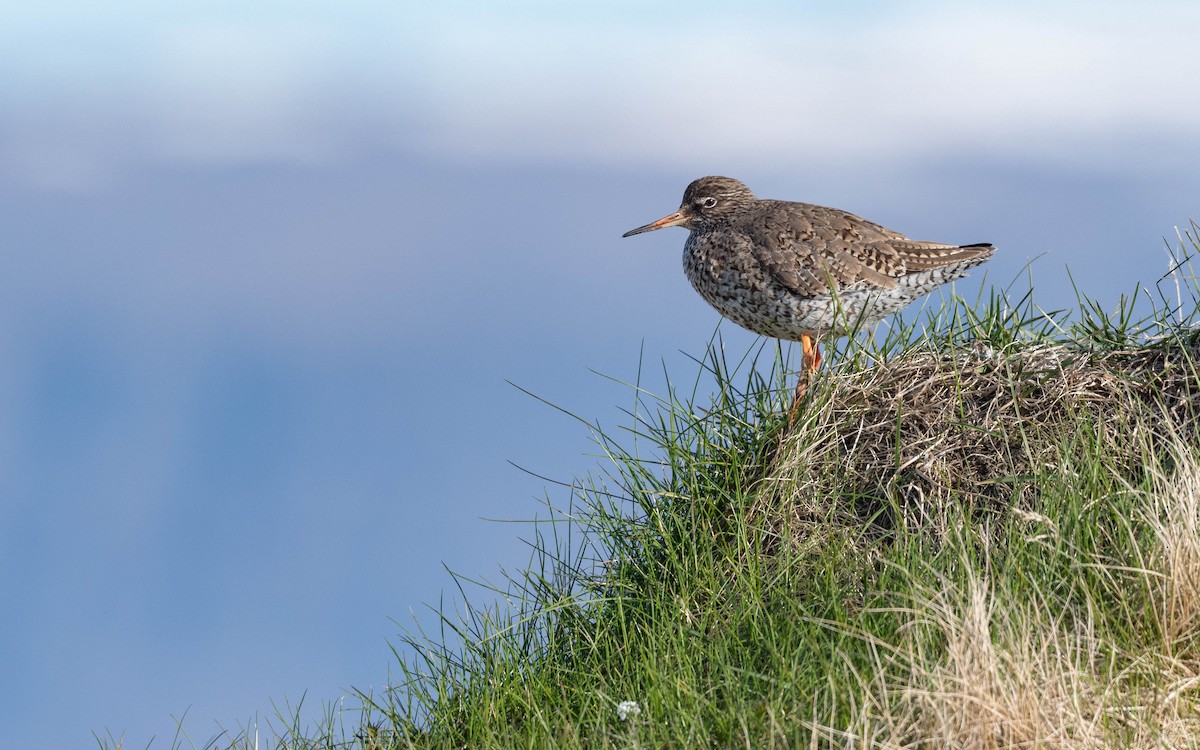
x=983, y=531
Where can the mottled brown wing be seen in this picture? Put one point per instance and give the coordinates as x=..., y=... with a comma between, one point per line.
x=808, y=248
x=926, y=256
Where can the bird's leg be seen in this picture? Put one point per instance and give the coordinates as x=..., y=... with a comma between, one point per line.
x=801, y=387
x=809, y=363
x=812, y=353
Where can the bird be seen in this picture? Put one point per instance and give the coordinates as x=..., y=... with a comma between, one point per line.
x=803, y=272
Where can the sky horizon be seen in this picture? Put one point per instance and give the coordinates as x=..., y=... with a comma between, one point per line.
x=270, y=270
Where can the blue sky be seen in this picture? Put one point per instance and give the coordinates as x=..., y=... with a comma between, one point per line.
x=267, y=270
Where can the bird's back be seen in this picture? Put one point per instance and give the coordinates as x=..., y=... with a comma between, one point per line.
x=813, y=249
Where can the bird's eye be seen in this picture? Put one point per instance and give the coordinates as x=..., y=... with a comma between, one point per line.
x=708, y=202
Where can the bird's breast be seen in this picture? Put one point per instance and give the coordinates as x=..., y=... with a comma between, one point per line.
x=725, y=270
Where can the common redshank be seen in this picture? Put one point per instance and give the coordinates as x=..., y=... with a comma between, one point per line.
x=802, y=272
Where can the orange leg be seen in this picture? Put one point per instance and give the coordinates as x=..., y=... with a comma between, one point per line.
x=812, y=353
x=808, y=367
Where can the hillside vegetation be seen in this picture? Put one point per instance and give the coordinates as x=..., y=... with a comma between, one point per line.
x=982, y=531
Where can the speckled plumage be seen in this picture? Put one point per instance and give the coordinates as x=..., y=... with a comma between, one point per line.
x=797, y=271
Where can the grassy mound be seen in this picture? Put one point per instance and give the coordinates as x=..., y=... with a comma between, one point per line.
x=933, y=430
x=987, y=538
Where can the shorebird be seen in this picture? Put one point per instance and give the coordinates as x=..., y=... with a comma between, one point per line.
x=801, y=272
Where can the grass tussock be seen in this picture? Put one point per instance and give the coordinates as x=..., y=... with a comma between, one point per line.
x=936, y=429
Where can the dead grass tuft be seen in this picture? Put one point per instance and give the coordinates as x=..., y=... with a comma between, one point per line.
x=898, y=443
x=1004, y=682
x=1013, y=677
x=1174, y=515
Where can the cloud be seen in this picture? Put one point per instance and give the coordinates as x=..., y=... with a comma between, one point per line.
x=1014, y=79
x=602, y=86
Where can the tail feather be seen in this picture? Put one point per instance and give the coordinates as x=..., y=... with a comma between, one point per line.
x=927, y=256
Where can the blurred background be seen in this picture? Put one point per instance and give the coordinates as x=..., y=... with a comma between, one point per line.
x=267, y=268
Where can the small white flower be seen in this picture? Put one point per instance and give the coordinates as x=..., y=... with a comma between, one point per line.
x=627, y=710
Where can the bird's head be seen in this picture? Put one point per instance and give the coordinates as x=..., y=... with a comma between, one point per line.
x=707, y=202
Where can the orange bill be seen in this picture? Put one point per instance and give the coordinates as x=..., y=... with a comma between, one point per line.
x=679, y=218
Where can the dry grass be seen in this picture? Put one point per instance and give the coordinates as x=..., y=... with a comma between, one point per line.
x=1174, y=514
x=1014, y=671
x=1003, y=681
